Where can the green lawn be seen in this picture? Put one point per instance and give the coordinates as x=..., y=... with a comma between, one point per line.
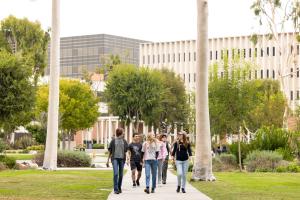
x=21, y=156
x=252, y=186
x=56, y=185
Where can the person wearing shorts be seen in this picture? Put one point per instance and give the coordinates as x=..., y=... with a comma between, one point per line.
x=135, y=156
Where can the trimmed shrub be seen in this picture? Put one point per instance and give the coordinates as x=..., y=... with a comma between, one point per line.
x=262, y=161
x=23, y=142
x=277, y=139
x=2, y=166
x=216, y=164
x=67, y=159
x=228, y=159
x=291, y=167
x=2, y=146
x=9, y=162
x=36, y=148
x=245, y=150
x=98, y=146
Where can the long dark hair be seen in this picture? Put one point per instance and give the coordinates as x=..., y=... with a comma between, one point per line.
x=185, y=141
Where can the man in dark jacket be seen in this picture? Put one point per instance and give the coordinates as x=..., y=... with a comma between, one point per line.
x=117, y=153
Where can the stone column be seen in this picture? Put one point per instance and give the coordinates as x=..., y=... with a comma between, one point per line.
x=97, y=131
x=102, y=131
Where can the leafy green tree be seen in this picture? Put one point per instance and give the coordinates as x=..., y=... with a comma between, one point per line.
x=174, y=102
x=28, y=39
x=134, y=94
x=16, y=91
x=279, y=16
x=270, y=105
x=78, y=106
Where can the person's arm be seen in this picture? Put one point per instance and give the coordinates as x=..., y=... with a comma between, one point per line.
x=174, y=149
x=189, y=150
x=128, y=154
x=109, y=154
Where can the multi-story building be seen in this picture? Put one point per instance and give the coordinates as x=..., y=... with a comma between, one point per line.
x=88, y=52
x=180, y=56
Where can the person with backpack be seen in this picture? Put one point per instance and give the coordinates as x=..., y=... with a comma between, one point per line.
x=182, y=151
x=117, y=153
x=150, y=151
x=135, y=157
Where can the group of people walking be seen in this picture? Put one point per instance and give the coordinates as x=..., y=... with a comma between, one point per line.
x=153, y=154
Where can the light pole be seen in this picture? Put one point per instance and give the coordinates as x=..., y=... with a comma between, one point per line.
x=50, y=157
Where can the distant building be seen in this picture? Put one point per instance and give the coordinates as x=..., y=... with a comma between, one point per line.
x=180, y=56
x=88, y=52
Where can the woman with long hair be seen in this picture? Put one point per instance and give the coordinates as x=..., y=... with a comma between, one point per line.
x=182, y=151
x=150, y=151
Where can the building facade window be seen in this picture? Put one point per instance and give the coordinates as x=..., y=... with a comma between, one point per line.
x=210, y=55
x=216, y=55
x=250, y=75
x=268, y=51
x=274, y=51
x=184, y=77
x=158, y=58
x=183, y=57
x=298, y=95
x=244, y=52
x=297, y=72
x=153, y=59
x=273, y=74
x=261, y=52
x=261, y=74
x=164, y=58
x=169, y=59
x=267, y=73
x=189, y=56
x=148, y=59
x=292, y=70
x=143, y=60
x=291, y=96
x=178, y=57
x=195, y=56
x=255, y=74
x=195, y=77
x=222, y=74
x=298, y=50
x=174, y=57
x=250, y=53
x=189, y=77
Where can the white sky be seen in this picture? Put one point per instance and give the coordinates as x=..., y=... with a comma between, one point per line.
x=152, y=20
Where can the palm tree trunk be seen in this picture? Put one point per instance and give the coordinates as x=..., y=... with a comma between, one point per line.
x=203, y=159
x=50, y=158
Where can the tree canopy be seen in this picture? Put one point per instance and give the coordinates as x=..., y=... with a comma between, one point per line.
x=21, y=36
x=16, y=91
x=78, y=106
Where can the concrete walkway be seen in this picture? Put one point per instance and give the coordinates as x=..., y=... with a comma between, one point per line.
x=163, y=192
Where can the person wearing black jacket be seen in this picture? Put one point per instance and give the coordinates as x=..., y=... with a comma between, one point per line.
x=182, y=151
x=117, y=153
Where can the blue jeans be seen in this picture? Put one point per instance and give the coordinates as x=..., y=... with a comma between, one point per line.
x=182, y=168
x=118, y=167
x=151, y=165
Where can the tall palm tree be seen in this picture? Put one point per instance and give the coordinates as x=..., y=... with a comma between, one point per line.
x=203, y=160
x=50, y=158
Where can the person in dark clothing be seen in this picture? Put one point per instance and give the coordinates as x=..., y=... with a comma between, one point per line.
x=117, y=153
x=182, y=151
x=135, y=157
x=165, y=163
